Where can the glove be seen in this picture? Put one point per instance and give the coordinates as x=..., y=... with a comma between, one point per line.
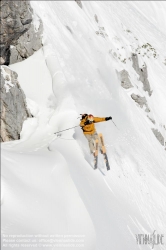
x=108, y=118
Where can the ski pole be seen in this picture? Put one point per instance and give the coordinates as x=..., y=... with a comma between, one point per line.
x=114, y=124
x=66, y=129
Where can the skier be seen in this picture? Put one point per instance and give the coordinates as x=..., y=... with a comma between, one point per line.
x=88, y=127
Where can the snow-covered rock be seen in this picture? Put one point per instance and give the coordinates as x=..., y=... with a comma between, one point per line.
x=142, y=72
x=159, y=136
x=125, y=80
x=79, y=3
x=141, y=101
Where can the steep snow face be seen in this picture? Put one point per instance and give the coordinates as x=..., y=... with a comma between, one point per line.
x=152, y=12
x=83, y=49
x=40, y=203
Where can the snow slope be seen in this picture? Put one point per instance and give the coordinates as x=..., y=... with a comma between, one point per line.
x=64, y=195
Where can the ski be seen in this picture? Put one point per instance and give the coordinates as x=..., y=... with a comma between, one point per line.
x=96, y=153
x=103, y=151
x=101, y=171
x=106, y=161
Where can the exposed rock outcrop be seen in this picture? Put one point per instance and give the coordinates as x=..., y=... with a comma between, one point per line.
x=101, y=32
x=96, y=18
x=142, y=72
x=124, y=79
x=16, y=20
x=14, y=109
x=27, y=44
x=79, y=3
x=141, y=101
x=159, y=136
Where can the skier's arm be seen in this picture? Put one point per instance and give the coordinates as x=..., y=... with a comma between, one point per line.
x=99, y=119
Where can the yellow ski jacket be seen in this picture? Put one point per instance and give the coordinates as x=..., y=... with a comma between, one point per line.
x=90, y=128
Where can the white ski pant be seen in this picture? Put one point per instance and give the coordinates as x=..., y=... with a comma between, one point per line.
x=91, y=140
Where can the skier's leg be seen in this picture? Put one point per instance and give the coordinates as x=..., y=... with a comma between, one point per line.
x=91, y=143
x=96, y=136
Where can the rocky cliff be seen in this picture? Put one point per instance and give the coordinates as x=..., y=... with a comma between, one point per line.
x=20, y=37
x=21, y=31
x=14, y=109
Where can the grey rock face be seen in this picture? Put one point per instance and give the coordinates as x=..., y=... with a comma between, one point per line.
x=159, y=136
x=141, y=101
x=16, y=19
x=142, y=72
x=79, y=3
x=124, y=78
x=14, y=109
x=27, y=44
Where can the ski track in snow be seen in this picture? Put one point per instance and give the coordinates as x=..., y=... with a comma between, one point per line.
x=56, y=190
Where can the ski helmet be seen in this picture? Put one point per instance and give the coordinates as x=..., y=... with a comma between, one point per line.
x=90, y=118
x=84, y=115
